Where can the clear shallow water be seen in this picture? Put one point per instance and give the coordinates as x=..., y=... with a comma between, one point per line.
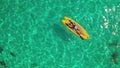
x=33, y=32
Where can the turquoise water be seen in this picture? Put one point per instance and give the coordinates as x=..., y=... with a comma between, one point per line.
x=32, y=35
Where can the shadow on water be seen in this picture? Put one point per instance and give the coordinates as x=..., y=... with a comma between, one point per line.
x=114, y=43
x=115, y=57
x=60, y=32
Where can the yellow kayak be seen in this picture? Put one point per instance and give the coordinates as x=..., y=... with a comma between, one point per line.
x=79, y=30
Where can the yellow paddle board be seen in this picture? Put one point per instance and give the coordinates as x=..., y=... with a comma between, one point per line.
x=83, y=34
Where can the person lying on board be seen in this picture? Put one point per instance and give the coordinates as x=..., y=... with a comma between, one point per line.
x=71, y=25
x=74, y=27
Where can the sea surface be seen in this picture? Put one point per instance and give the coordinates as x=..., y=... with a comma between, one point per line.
x=33, y=36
